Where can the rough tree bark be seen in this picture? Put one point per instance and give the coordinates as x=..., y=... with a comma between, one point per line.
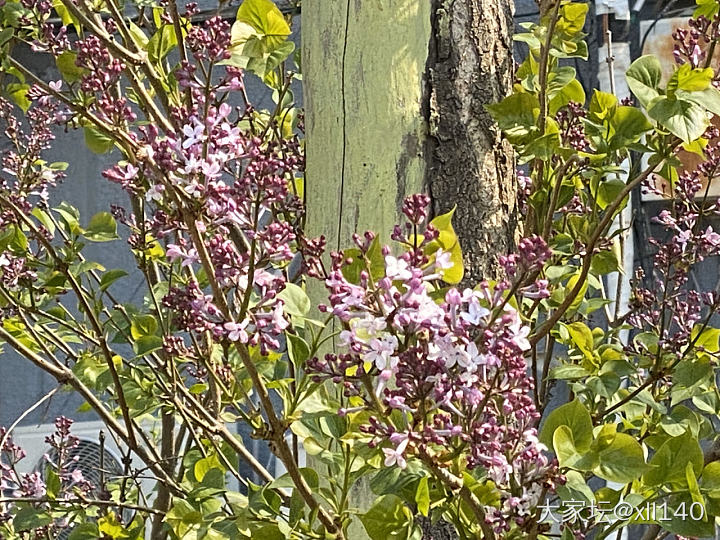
x=469, y=165
x=394, y=95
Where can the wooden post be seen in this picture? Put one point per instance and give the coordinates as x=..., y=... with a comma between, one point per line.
x=394, y=93
x=363, y=76
x=363, y=71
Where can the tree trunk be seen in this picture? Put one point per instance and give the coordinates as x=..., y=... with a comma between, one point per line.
x=394, y=93
x=470, y=65
x=394, y=96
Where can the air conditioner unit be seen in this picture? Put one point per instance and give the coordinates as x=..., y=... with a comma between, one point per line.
x=32, y=440
x=99, y=462
x=88, y=452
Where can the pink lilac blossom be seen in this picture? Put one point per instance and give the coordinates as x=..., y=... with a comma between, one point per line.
x=663, y=299
x=454, y=366
x=32, y=485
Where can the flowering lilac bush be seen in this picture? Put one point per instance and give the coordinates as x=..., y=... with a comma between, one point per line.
x=441, y=372
x=432, y=391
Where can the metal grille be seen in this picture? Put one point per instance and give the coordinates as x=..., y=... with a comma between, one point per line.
x=89, y=463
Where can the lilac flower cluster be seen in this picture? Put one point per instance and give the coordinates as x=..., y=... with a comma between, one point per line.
x=232, y=187
x=26, y=180
x=666, y=305
x=32, y=485
x=61, y=459
x=238, y=189
x=691, y=43
x=572, y=129
x=452, y=365
x=211, y=41
x=525, y=185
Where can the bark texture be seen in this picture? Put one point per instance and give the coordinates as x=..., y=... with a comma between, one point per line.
x=394, y=96
x=470, y=65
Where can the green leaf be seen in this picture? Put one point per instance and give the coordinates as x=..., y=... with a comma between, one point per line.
x=688, y=518
x=259, y=38
x=18, y=241
x=110, y=277
x=559, y=79
x=485, y=490
x=18, y=95
x=204, y=465
x=709, y=340
x=572, y=17
x=45, y=219
x=544, y=147
x=710, y=478
x=575, y=488
x=602, y=105
x=298, y=350
x=571, y=284
x=295, y=299
x=622, y=460
x=569, y=371
x=669, y=462
x=448, y=242
x=285, y=481
x=70, y=216
x=198, y=388
x=708, y=8
x=576, y=417
x=102, y=228
x=683, y=119
x=162, y=42
x=266, y=19
x=568, y=453
x=388, y=519
x=606, y=262
x=422, y=496
x=182, y=515
x=278, y=55
x=689, y=376
x=643, y=78
x=608, y=191
x=629, y=125
x=6, y=35
x=90, y=368
x=96, y=141
x=582, y=337
x=690, y=79
x=397, y=481
x=52, y=482
x=110, y=527
x=66, y=17
x=693, y=487
x=138, y=34
x=515, y=114
x=708, y=99
x=68, y=69
x=85, y=531
x=573, y=91
x=143, y=325
x=147, y=344
x=31, y=518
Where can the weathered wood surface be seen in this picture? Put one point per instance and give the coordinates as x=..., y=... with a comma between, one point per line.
x=363, y=71
x=394, y=93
